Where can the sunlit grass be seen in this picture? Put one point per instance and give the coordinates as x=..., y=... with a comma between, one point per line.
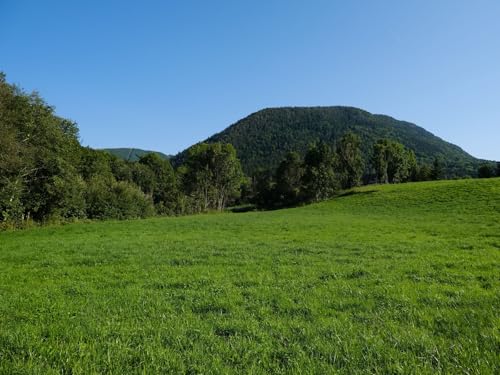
x=389, y=279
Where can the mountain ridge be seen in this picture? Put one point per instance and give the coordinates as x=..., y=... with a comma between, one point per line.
x=264, y=137
x=133, y=154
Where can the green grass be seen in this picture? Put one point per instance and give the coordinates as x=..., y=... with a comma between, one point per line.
x=389, y=279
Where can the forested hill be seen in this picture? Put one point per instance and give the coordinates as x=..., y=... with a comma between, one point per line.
x=263, y=138
x=133, y=154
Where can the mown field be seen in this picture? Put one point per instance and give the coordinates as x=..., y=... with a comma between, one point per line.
x=388, y=279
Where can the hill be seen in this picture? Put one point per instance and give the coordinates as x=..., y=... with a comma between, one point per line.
x=388, y=279
x=132, y=154
x=263, y=138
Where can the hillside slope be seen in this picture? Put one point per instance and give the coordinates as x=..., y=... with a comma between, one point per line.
x=263, y=138
x=132, y=154
x=388, y=279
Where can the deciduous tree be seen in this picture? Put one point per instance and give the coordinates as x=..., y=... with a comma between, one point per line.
x=320, y=180
x=164, y=188
x=212, y=175
x=349, y=161
x=288, y=180
x=393, y=163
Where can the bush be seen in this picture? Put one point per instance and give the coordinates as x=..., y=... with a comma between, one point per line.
x=111, y=199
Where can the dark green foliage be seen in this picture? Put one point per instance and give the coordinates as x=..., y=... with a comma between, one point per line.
x=263, y=193
x=322, y=173
x=121, y=169
x=264, y=138
x=350, y=164
x=392, y=162
x=288, y=180
x=64, y=196
x=296, y=181
x=46, y=175
x=11, y=206
x=212, y=176
x=498, y=169
x=107, y=198
x=486, y=171
x=38, y=158
x=143, y=177
x=424, y=173
x=94, y=163
x=163, y=185
x=412, y=165
x=320, y=180
x=133, y=154
x=437, y=169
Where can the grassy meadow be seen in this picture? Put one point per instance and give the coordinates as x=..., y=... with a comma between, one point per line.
x=385, y=279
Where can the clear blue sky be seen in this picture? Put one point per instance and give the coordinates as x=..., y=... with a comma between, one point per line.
x=162, y=75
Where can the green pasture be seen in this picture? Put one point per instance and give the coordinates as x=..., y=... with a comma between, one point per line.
x=383, y=279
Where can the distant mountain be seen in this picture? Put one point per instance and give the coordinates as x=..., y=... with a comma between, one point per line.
x=263, y=138
x=132, y=154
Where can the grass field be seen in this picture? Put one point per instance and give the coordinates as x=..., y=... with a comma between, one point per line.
x=388, y=279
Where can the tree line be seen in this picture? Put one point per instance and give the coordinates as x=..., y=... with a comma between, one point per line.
x=326, y=170
x=46, y=175
x=489, y=170
x=265, y=137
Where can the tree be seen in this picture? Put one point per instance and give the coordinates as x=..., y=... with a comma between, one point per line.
x=94, y=163
x=437, y=169
x=319, y=180
x=398, y=165
x=144, y=178
x=164, y=189
x=349, y=161
x=11, y=205
x=107, y=198
x=412, y=165
x=424, y=172
x=498, y=169
x=485, y=171
x=54, y=190
x=13, y=171
x=212, y=175
x=45, y=174
x=121, y=169
x=288, y=180
x=263, y=189
x=37, y=164
x=393, y=163
x=380, y=162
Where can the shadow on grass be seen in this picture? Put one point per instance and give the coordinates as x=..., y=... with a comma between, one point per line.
x=352, y=192
x=240, y=209
x=252, y=207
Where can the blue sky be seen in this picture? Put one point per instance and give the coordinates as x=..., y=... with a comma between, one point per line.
x=162, y=75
